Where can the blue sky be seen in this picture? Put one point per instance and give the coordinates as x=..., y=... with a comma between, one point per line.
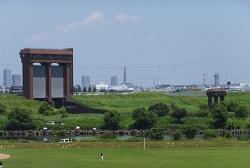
x=177, y=41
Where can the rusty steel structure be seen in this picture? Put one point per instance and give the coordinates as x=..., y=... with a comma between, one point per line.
x=47, y=75
x=215, y=93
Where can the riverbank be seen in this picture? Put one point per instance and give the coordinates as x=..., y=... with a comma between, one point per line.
x=148, y=144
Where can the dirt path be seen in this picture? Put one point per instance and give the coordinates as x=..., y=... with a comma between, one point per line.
x=3, y=156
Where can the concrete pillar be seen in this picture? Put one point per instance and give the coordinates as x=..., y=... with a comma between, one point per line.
x=27, y=79
x=215, y=99
x=67, y=81
x=48, y=82
x=222, y=98
x=210, y=100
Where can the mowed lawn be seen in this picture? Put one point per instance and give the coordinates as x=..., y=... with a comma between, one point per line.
x=216, y=157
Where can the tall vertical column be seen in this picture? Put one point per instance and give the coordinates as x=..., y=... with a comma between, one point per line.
x=215, y=99
x=210, y=100
x=222, y=98
x=48, y=82
x=27, y=79
x=67, y=81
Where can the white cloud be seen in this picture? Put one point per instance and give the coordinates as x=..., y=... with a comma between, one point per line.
x=125, y=17
x=151, y=39
x=92, y=18
x=44, y=37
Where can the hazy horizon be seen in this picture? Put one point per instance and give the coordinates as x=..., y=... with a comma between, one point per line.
x=179, y=42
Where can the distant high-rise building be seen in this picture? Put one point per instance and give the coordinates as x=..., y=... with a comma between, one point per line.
x=85, y=81
x=16, y=80
x=7, y=77
x=114, y=81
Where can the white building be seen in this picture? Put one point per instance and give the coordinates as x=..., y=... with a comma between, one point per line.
x=102, y=86
x=85, y=81
x=7, y=77
x=114, y=81
x=16, y=80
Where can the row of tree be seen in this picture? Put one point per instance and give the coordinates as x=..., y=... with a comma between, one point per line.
x=146, y=119
x=84, y=89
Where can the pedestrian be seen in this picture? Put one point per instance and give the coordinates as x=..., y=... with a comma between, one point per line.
x=101, y=157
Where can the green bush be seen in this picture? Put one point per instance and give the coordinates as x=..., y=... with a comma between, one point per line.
x=228, y=134
x=210, y=134
x=190, y=131
x=144, y=119
x=49, y=112
x=111, y=120
x=2, y=109
x=241, y=112
x=160, y=109
x=156, y=133
x=20, y=119
x=62, y=110
x=176, y=135
x=45, y=108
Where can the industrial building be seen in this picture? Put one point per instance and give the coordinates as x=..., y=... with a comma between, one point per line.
x=47, y=75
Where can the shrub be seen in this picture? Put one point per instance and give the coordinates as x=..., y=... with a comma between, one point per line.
x=227, y=134
x=179, y=113
x=60, y=133
x=144, y=119
x=20, y=119
x=241, y=112
x=62, y=110
x=231, y=106
x=111, y=120
x=211, y=134
x=190, y=132
x=160, y=109
x=44, y=107
x=49, y=112
x=220, y=116
x=156, y=133
x=176, y=135
x=2, y=109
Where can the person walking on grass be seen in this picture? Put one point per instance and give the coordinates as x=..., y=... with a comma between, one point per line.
x=101, y=157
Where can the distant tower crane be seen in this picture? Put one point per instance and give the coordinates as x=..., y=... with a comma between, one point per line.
x=216, y=79
x=204, y=79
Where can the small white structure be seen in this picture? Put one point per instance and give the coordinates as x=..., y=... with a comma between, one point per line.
x=102, y=86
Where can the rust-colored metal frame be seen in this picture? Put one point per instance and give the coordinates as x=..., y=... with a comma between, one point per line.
x=63, y=57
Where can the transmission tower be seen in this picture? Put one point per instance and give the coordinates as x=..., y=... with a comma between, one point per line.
x=216, y=79
x=125, y=75
x=204, y=79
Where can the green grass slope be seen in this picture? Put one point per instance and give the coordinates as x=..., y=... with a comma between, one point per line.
x=127, y=102
x=12, y=101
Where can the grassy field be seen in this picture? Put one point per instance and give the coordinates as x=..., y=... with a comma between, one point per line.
x=128, y=102
x=216, y=157
x=123, y=103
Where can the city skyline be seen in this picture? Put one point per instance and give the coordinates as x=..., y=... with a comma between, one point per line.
x=172, y=42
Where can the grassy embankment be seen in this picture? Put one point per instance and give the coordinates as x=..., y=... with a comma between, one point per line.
x=124, y=104
x=226, y=153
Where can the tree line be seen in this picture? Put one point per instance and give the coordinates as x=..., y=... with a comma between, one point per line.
x=216, y=116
